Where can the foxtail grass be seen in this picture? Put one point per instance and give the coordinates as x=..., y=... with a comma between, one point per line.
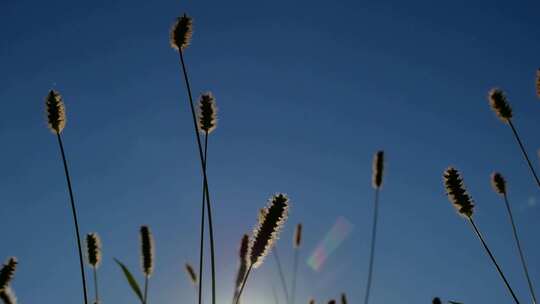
x=265, y=235
x=297, y=241
x=93, y=247
x=7, y=273
x=501, y=107
x=192, y=276
x=499, y=186
x=436, y=300
x=207, y=122
x=311, y=301
x=332, y=302
x=147, y=258
x=462, y=201
x=343, y=298
x=180, y=39
x=56, y=119
x=377, y=180
x=538, y=83
x=243, y=256
x=8, y=296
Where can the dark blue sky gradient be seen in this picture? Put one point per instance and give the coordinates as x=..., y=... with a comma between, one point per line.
x=307, y=91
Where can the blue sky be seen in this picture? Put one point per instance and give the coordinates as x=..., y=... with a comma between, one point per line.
x=307, y=91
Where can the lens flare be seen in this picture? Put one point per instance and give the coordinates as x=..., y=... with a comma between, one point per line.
x=331, y=241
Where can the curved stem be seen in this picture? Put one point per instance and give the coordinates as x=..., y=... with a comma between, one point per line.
x=281, y=276
x=203, y=167
x=295, y=269
x=518, y=244
x=493, y=260
x=243, y=284
x=524, y=152
x=372, y=249
x=203, y=208
x=74, y=212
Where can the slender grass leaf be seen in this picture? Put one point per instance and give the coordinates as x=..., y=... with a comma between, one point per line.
x=131, y=280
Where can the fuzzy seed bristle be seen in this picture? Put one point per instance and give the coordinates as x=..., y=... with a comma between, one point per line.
x=191, y=274
x=436, y=301
x=7, y=296
x=457, y=194
x=8, y=272
x=267, y=231
x=499, y=104
x=378, y=168
x=343, y=298
x=499, y=183
x=243, y=255
x=207, y=113
x=297, y=236
x=311, y=301
x=147, y=251
x=538, y=83
x=181, y=33
x=56, y=111
x=93, y=247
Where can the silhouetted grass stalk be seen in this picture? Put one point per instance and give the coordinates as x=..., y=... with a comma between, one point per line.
x=462, y=201
x=499, y=104
x=270, y=222
x=499, y=270
x=281, y=275
x=295, y=272
x=524, y=152
x=74, y=213
x=518, y=244
x=203, y=211
x=297, y=240
x=372, y=247
x=180, y=38
x=377, y=179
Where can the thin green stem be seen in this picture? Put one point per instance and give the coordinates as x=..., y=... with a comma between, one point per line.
x=524, y=152
x=203, y=208
x=295, y=269
x=74, y=212
x=280, y=272
x=479, y=235
x=243, y=284
x=372, y=249
x=520, y=250
x=203, y=167
x=145, y=298
x=96, y=283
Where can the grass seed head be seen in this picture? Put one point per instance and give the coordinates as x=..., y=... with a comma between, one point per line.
x=191, y=274
x=93, y=247
x=499, y=183
x=207, y=113
x=271, y=221
x=457, y=194
x=378, y=168
x=297, y=236
x=499, y=104
x=7, y=272
x=181, y=33
x=147, y=251
x=56, y=112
